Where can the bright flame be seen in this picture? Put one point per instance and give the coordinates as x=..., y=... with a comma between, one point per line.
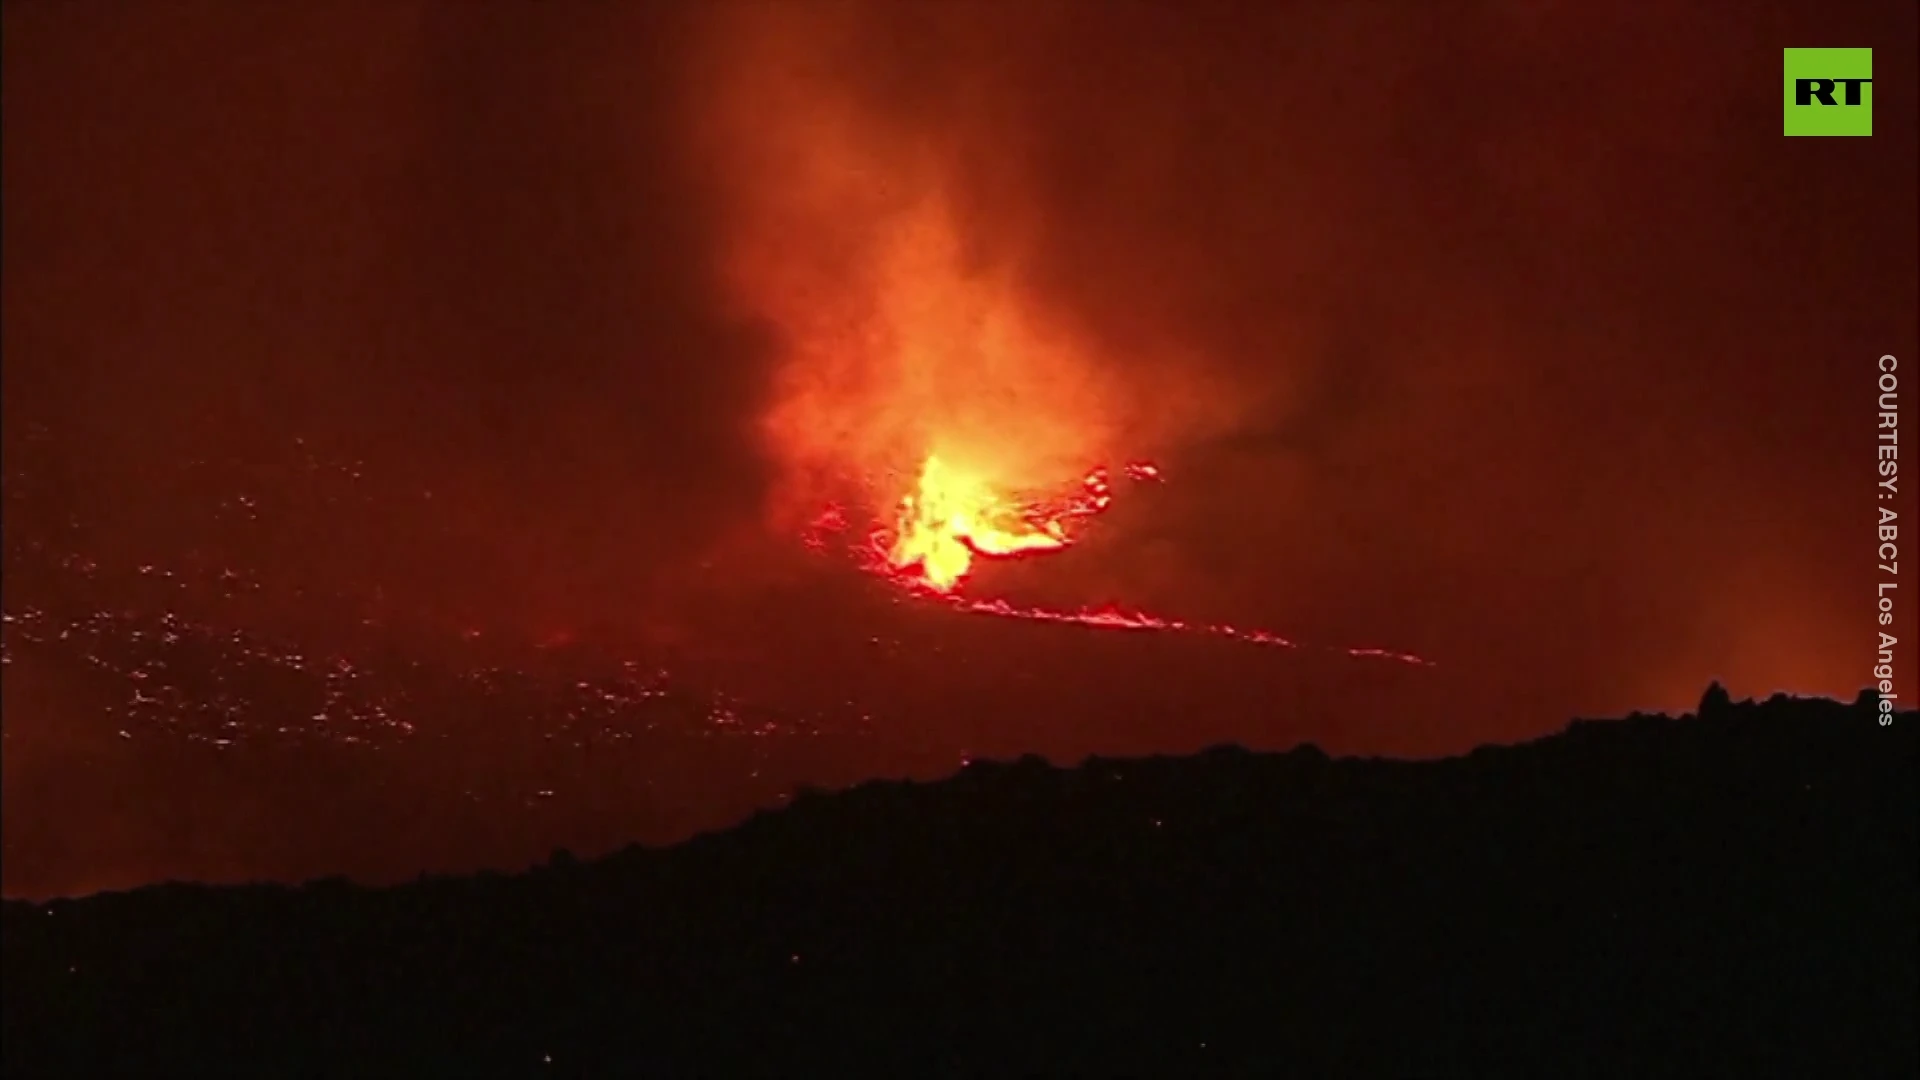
x=954, y=516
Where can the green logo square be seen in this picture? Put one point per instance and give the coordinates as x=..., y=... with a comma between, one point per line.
x=1829, y=91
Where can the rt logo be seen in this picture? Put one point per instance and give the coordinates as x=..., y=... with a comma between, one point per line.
x=1829, y=92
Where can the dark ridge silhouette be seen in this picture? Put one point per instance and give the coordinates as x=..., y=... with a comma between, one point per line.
x=1729, y=893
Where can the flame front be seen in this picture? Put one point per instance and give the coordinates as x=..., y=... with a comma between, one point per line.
x=954, y=517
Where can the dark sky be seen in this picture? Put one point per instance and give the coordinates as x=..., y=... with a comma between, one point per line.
x=1510, y=333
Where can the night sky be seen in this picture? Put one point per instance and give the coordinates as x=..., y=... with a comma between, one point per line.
x=417, y=416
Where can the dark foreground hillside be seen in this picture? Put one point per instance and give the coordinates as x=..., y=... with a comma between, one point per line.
x=1731, y=894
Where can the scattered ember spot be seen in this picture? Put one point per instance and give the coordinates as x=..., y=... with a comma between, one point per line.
x=831, y=522
x=165, y=642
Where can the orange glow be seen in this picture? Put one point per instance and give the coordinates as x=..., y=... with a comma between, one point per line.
x=906, y=324
x=954, y=516
x=940, y=367
x=919, y=356
x=951, y=517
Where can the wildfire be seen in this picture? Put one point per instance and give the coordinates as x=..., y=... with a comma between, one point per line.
x=953, y=516
x=917, y=331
